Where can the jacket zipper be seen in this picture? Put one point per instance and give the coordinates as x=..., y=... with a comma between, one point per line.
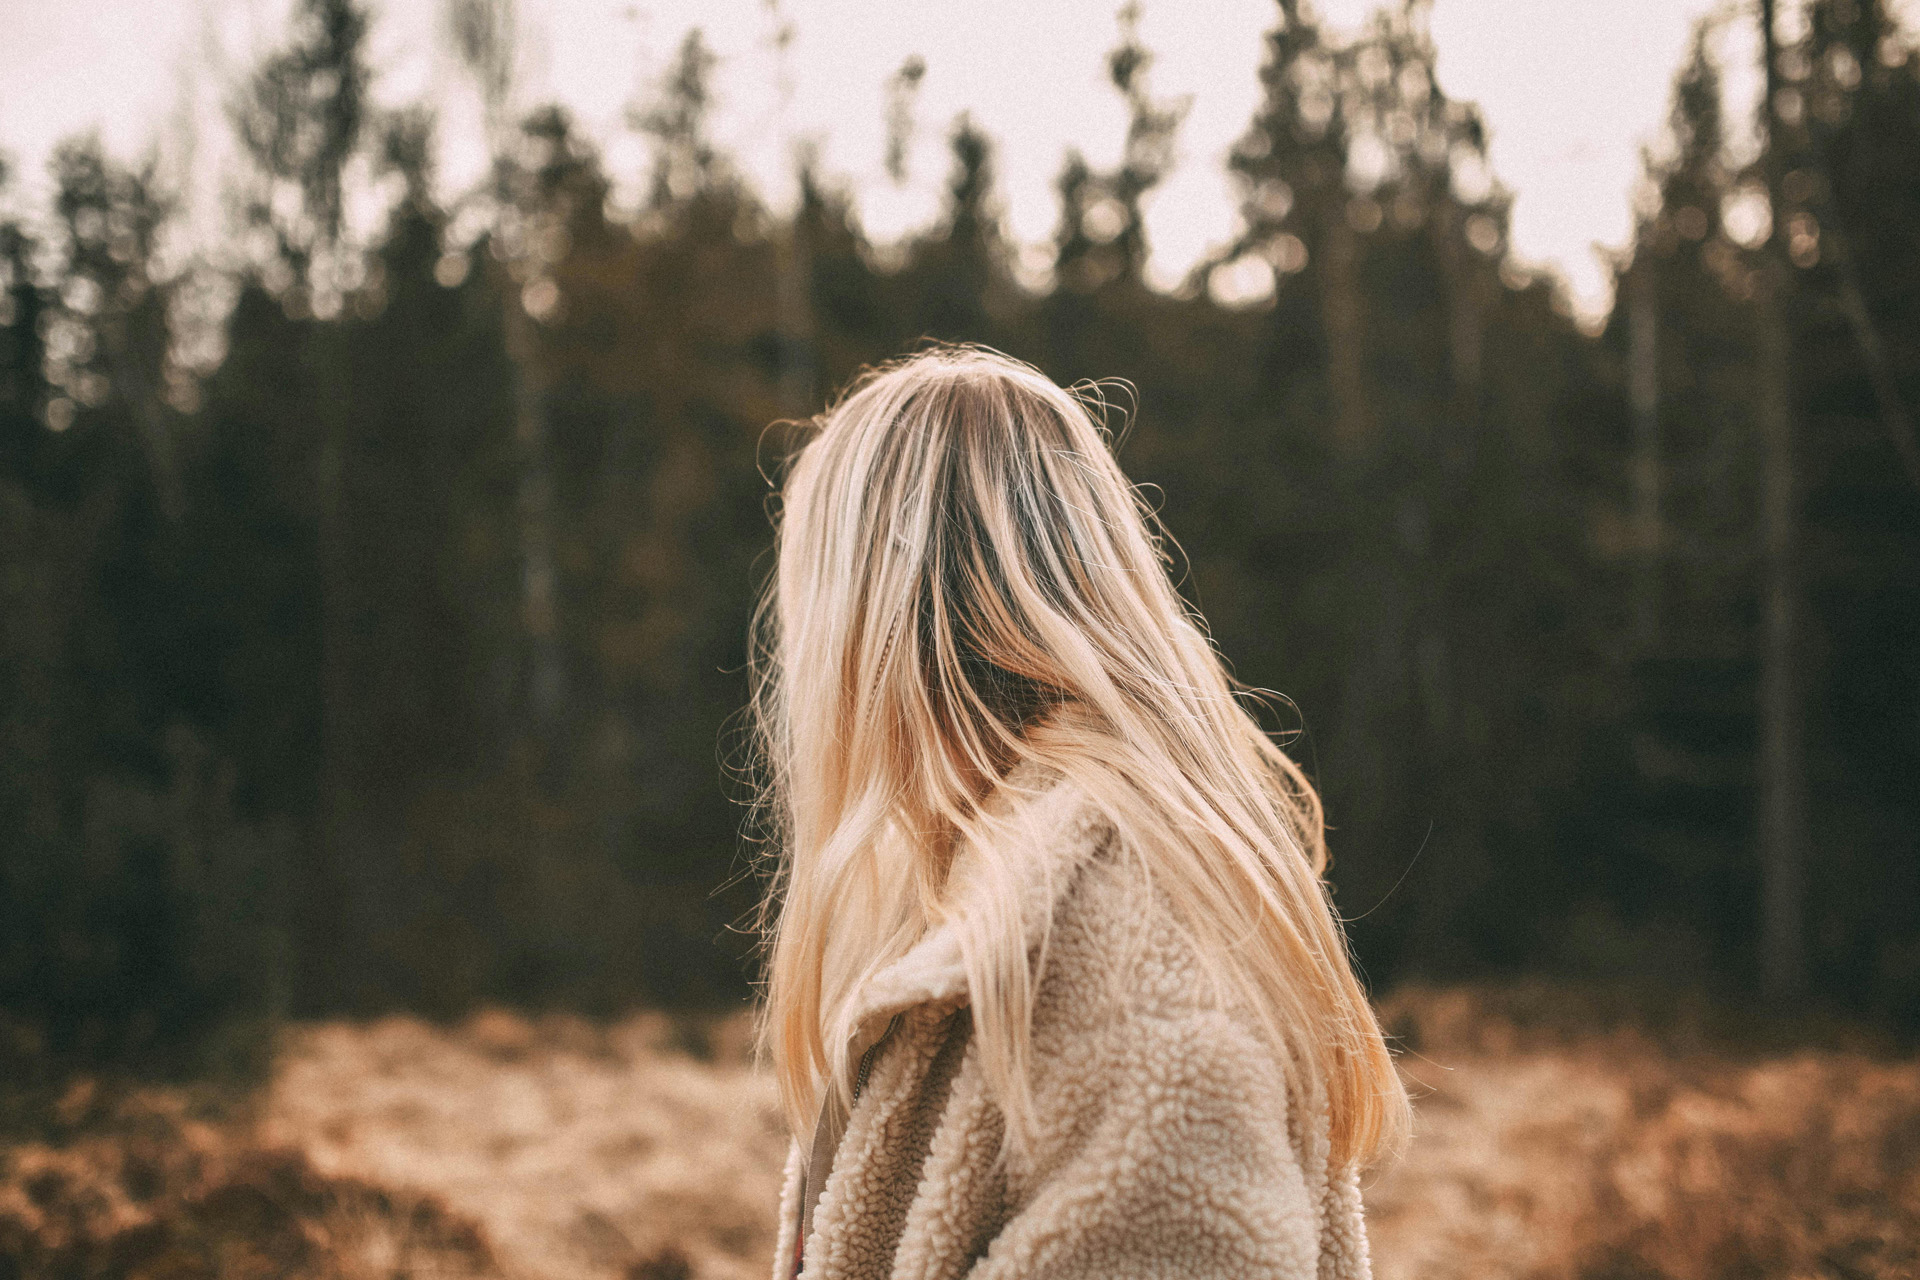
x=859, y=1083
x=866, y=1059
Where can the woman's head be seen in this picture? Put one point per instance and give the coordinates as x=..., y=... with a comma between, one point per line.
x=966, y=580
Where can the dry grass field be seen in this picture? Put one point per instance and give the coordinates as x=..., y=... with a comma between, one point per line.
x=1551, y=1144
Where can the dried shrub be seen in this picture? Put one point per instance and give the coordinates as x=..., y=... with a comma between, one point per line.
x=148, y=1191
x=1669, y=1147
x=1561, y=1135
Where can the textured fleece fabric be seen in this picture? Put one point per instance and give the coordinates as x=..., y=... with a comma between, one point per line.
x=1166, y=1145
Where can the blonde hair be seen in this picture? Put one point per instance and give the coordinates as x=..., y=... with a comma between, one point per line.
x=959, y=558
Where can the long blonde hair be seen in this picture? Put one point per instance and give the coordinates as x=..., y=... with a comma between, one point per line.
x=960, y=557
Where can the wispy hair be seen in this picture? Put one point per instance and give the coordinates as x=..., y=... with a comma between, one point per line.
x=965, y=581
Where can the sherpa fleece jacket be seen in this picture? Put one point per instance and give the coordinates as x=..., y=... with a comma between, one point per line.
x=1166, y=1145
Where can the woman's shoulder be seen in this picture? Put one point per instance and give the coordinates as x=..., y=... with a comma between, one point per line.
x=1106, y=935
x=1115, y=946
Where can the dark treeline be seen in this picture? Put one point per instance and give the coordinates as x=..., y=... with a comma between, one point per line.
x=393, y=660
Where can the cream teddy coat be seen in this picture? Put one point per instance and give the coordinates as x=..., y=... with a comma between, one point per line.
x=1166, y=1146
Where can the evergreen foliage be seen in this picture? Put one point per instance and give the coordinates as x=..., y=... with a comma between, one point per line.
x=390, y=663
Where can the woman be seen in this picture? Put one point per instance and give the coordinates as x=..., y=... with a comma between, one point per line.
x=1054, y=986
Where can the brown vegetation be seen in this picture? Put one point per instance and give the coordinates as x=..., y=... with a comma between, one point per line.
x=150, y=1191
x=1554, y=1140
x=1557, y=1139
x=647, y=1148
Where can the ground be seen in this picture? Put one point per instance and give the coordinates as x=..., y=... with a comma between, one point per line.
x=649, y=1149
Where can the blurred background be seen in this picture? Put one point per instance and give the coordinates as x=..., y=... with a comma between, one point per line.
x=383, y=498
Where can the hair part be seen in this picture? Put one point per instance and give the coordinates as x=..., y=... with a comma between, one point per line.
x=966, y=581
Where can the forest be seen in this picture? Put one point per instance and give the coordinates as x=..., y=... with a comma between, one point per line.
x=373, y=617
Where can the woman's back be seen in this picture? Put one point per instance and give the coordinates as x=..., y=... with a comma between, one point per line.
x=1164, y=1140
x=970, y=633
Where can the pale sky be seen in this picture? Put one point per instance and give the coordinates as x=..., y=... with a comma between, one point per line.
x=1572, y=90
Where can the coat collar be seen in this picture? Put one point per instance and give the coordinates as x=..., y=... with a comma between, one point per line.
x=1056, y=828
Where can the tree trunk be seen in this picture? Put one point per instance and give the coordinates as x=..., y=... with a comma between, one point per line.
x=329, y=908
x=539, y=614
x=795, y=317
x=1466, y=339
x=1643, y=392
x=1341, y=317
x=1781, y=818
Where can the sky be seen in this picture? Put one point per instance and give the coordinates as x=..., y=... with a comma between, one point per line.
x=1573, y=90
